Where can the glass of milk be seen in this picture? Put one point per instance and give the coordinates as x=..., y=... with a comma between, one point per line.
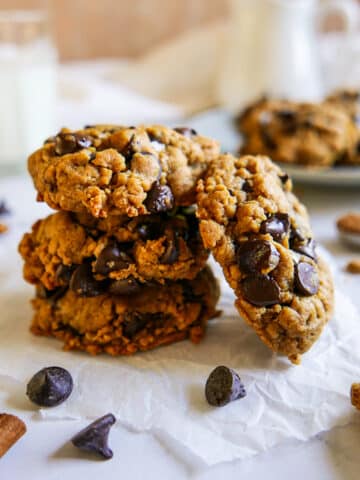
x=27, y=85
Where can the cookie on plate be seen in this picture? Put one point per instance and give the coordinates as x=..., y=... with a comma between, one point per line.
x=117, y=324
x=113, y=170
x=298, y=133
x=116, y=250
x=259, y=233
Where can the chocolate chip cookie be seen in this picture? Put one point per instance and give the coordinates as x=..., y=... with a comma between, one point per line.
x=260, y=234
x=114, y=170
x=122, y=324
x=299, y=133
x=121, y=252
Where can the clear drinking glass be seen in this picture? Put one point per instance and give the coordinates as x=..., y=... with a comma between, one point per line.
x=27, y=85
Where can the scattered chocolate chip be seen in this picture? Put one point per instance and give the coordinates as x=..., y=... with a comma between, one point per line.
x=277, y=225
x=126, y=286
x=94, y=438
x=3, y=208
x=50, y=386
x=247, y=187
x=84, y=284
x=305, y=246
x=171, y=253
x=148, y=231
x=112, y=258
x=186, y=131
x=133, y=324
x=261, y=290
x=223, y=386
x=70, y=143
x=63, y=274
x=257, y=256
x=306, y=279
x=159, y=199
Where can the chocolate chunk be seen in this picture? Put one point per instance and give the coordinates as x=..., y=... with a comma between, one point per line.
x=53, y=295
x=3, y=208
x=71, y=142
x=296, y=236
x=133, y=324
x=112, y=258
x=223, y=386
x=186, y=131
x=50, y=386
x=128, y=151
x=305, y=246
x=306, y=279
x=247, y=187
x=148, y=231
x=94, y=438
x=84, y=284
x=159, y=199
x=171, y=253
x=278, y=225
x=257, y=256
x=261, y=290
x=284, y=178
x=126, y=286
x=63, y=274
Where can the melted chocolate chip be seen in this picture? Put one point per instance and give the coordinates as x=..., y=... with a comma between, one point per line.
x=50, y=386
x=84, y=284
x=71, y=142
x=94, y=438
x=63, y=274
x=261, y=290
x=112, y=258
x=133, y=324
x=277, y=225
x=126, y=286
x=257, y=256
x=159, y=199
x=223, y=386
x=186, y=131
x=306, y=279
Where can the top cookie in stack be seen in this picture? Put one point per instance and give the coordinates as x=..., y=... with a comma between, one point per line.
x=121, y=267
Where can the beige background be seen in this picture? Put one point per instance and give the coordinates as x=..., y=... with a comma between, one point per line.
x=113, y=28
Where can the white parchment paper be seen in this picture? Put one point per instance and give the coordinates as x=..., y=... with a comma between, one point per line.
x=163, y=391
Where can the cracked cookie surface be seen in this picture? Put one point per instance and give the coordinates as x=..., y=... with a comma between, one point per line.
x=260, y=234
x=126, y=324
x=113, y=170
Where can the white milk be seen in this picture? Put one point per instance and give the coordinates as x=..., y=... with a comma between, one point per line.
x=27, y=99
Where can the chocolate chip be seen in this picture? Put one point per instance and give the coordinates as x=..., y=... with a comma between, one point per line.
x=84, y=284
x=284, y=178
x=156, y=143
x=277, y=225
x=247, y=187
x=306, y=279
x=286, y=115
x=148, y=231
x=133, y=323
x=126, y=286
x=268, y=140
x=171, y=253
x=3, y=208
x=71, y=142
x=159, y=199
x=128, y=151
x=191, y=210
x=50, y=386
x=63, y=274
x=223, y=386
x=186, y=131
x=112, y=258
x=261, y=290
x=94, y=438
x=53, y=295
x=49, y=140
x=259, y=256
x=305, y=246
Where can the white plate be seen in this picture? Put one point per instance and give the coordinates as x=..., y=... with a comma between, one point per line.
x=219, y=124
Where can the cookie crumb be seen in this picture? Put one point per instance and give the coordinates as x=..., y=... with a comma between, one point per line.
x=353, y=266
x=349, y=223
x=355, y=395
x=3, y=228
x=11, y=430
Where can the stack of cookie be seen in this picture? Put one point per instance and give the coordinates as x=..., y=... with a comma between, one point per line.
x=316, y=134
x=121, y=267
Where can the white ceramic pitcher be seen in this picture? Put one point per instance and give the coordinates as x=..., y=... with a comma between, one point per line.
x=272, y=49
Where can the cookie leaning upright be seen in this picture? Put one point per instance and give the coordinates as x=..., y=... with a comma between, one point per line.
x=260, y=234
x=113, y=170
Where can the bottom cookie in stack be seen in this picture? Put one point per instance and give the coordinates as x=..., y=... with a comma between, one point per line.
x=122, y=325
